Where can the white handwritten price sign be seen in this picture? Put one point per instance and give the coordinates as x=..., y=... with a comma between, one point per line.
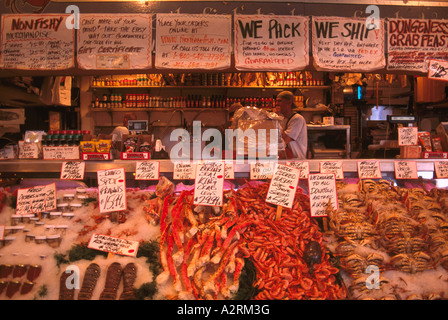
x=112, y=190
x=346, y=44
x=283, y=186
x=37, y=42
x=147, y=170
x=184, y=170
x=28, y=150
x=278, y=43
x=261, y=170
x=369, y=169
x=441, y=169
x=229, y=170
x=438, y=70
x=303, y=166
x=406, y=170
x=36, y=199
x=114, y=41
x=73, y=170
x=322, y=188
x=60, y=153
x=113, y=245
x=193, y=41
x=412, y=43
x=209, y=184
x=332, y=167
x=408, y=136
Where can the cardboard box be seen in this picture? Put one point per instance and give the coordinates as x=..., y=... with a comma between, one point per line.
x=410, y=152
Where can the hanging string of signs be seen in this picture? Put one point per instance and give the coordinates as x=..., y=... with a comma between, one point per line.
x=201, y=41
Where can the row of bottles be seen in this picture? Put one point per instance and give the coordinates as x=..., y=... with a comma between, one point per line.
x=227, y=79
x=191, y=101
x=59, y=138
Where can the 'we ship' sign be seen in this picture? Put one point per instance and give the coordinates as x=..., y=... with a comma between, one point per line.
x=347, y=44
x=271, y=42
x=111, y=190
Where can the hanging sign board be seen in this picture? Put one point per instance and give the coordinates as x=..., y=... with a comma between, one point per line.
x=114, y=41
x=347, y=44
x=37, y=42
x=209, y=184
x=193, y=41
x=438, y=70
x=277, y=43
x=283, y=186
x=36, y=199
x=111, y=190
x=322, y=188
x=413, y=42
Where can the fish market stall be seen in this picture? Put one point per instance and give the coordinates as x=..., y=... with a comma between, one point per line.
x=386, y=239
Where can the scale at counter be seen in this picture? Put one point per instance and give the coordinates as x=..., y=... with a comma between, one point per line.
x=404, y=119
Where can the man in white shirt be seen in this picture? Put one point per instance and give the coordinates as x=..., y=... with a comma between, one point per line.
x=294, y=131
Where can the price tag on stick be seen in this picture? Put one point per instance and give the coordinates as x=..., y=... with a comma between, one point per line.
x=406, y=170
x=209, y=184
x=112, y=190
x=184, y=171
x=113, y=245
x=73, y=170
x=36, y=199
x=441, y=169
x=323, y=192
x=408, y=136
x=335, y=167
x=369, y=169
x=147, y=170
x=283, y=186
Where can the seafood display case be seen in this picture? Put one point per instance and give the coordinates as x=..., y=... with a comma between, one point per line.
x=386, y=240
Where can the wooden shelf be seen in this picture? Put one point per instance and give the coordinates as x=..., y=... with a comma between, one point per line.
x=155, y=109
x=210, y=87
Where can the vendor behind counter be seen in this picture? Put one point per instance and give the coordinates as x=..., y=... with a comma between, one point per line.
x=294, y=130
